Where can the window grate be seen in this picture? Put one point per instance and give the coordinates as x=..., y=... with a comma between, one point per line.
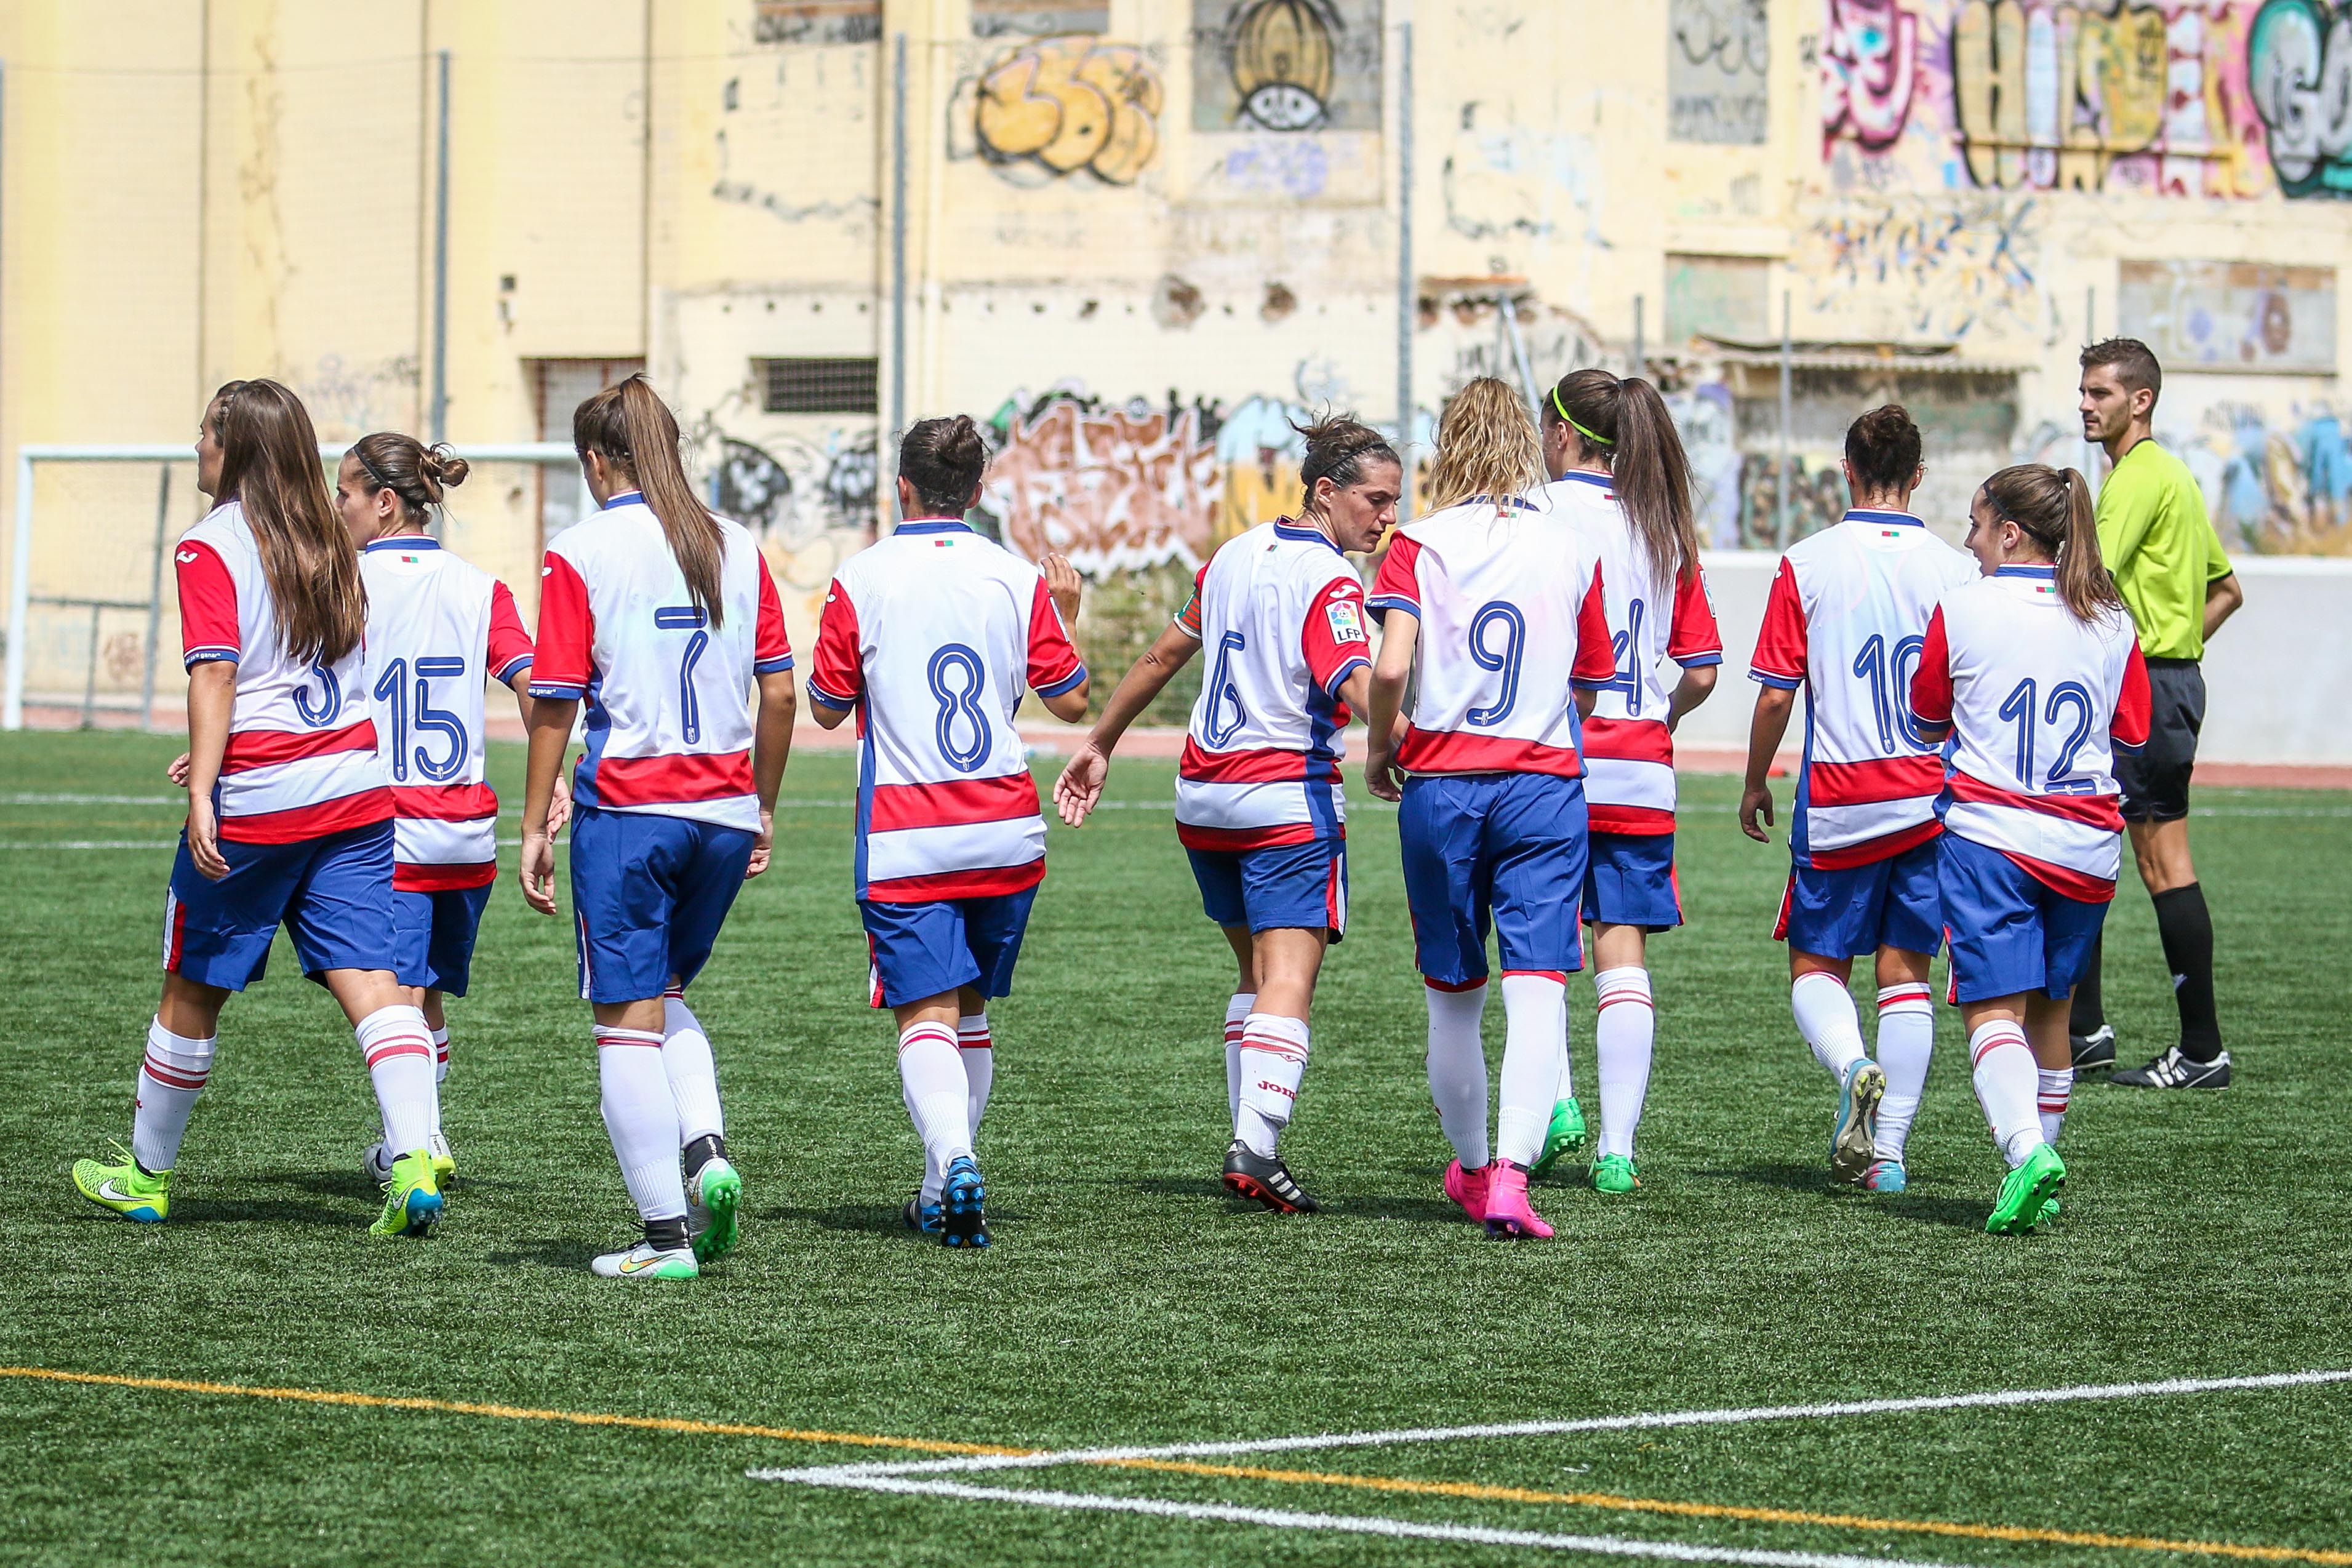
x=819, y=385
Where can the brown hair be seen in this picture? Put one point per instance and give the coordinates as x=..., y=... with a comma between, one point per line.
x=2134, y=363
x=1624, y=422
x=1883, y=445
x=1486, y=446
x=1339, y=446
x=416, y=473
x=2054, y=507
x=943, y=460
x=270, y=466
x=630, y=428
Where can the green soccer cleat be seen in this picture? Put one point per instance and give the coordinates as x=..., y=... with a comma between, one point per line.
x=1614, y=1174
x=444, y=1163
x=412, y=1200
x=2026, y=1192
x=1565, y=1136
x=126, y=1189
x=712, y=1198
x=2048, y=1212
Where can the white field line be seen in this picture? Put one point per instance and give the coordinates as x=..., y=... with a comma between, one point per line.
x=1356, y=1524
x=1647, y=1421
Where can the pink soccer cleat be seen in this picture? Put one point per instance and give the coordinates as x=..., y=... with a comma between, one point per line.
x=1507, y=1210
x=1468, y=1188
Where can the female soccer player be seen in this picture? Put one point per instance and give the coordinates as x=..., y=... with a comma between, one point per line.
x=664, y=618
x=1258, y=805
x=1620, y=476
x=932, y=635
x=2034, y=671
x=290, y=821
x=1497, y=604
x=1844, y=621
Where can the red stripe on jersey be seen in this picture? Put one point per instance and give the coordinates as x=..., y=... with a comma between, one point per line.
x=443, y=803
x=1873, y=781
x=1871, y=852
x=2078, y=886
x=1694, y=633
x=2091, y=810
x=1629, y=739
x=1781, y=642
x=1230, y=839
x=667, y=781
x=1454, y=987
x=1451, y=751
x=361, y=809
x=1556, y=975
x=1596, y=652
x=506, y=641
x=1053, y=658
x=415, y=879
x=567, y=627
x=250, y=748
x=987, y=882
x=2134, y=705
x=1268, y=765
x=951, y=803
x=1639, y=821
x=207, y=600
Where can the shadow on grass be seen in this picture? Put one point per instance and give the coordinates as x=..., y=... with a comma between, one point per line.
x=265, y=1211
x=570, y=1255
x=1920, y=1207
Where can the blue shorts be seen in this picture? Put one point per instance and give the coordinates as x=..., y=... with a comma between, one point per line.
x=648, y=896
x=2010, y=932
x=333, y=895
x=433, y=936
x=1301, y=887
x=1854, y=910
x=926, y=950
x=1629, y=881
x=1506, y=850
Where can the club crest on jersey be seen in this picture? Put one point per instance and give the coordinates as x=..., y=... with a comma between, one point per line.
x=1347, y=621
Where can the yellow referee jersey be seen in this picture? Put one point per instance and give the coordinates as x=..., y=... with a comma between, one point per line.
x=2155, y=536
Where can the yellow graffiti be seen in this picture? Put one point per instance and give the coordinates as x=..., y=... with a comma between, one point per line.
x=1073, y=103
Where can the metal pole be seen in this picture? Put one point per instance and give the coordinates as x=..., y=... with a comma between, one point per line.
x=1408, y=297
x=1780, y=483
x=90, y=675
x=441, y=267
x=897, y=261
x=1640, y=359
x=2090, y=336
x=155, y=598
x=20, y=593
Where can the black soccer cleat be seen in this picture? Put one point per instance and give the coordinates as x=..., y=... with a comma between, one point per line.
x=1265, y=1179
x=963, y=1221
x=919, y=1215
x=2094, y=1052
x=2174, y=1071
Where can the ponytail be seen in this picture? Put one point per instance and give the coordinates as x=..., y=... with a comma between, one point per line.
x=270, y=466
x=2053, y=507
x=633, y=430
x=1624, y=424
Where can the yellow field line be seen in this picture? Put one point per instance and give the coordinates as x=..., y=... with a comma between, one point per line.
x=510, y=1412
x=1472, y=1489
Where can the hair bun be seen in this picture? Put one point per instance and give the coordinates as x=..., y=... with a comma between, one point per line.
x=443, y=466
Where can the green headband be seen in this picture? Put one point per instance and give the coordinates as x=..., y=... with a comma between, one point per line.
x=1564, y=414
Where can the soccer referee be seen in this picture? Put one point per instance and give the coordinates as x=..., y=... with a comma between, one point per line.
x=2156, y=539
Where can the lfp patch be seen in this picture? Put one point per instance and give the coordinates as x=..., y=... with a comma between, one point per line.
x=1347, y=621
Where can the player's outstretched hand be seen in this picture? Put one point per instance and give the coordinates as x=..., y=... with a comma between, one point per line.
x=559, y=806
x=178, y=771
x=1081, y=785
x=1062, y=582
x=538, y=871
x=203, y=839
x=762, y=845
x=1752, y=804
x=1380, y=775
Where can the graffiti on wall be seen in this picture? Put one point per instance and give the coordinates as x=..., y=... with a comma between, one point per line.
x=810, y=502
x=999, y=18
x=2276, y=485
x=2231, y=315
x=1948, y=266
x=1870, y=54
x=2299, y=75
x=816, y=21
x=1286, y=65
x=1718, y=55
x=1052, y=107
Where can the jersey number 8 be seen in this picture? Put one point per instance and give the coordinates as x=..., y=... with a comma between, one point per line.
x=958, y=703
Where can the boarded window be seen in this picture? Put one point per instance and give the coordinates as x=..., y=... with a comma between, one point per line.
x=559, y=387
x=1727, y=298
x=818, y=386
x=2231, y=315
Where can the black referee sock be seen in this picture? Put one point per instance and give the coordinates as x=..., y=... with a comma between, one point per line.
x=2187, y=930
x=2090, y=1014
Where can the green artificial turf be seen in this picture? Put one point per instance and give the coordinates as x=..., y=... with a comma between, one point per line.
x=1127, y=1300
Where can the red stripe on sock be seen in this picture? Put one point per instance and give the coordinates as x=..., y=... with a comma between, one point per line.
x=1978, y=1055
x=1613, y=1000
x=172, y=1076
x=939, y=1032
x=378, y=1054
x=628, y=1038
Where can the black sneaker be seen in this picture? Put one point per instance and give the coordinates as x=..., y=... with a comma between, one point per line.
x=2173, y=1070
x=1265, y=1179
x=919, y=1215
x=2094, y=1052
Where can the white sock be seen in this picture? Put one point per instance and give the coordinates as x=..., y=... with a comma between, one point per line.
x=1567, y=1090
x=440, y=1057
x=937, y=1095
x=977, y=1049
x=1826, y=1018
x=1457, y=1070
x=2007, y=1078
x=2057, y=1084
x=399, y=1052
x=1274, y=1061
x=641, y=1118
x=171, y=1077
x=1907, y=1038
x=1623, y=1037
x=693, y=1075
x=1535, y=1038
x=1237, y=1011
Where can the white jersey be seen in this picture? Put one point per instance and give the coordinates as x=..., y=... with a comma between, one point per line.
x=300, y=761
x=1280, y=613
x=438, y=631
x=1509, y=600
x=1655, y=627
x=1845, y=619
x=2038, y=703
x=669, y=712
x=933, y=634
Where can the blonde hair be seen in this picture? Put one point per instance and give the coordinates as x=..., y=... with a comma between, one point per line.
x=1486, y=446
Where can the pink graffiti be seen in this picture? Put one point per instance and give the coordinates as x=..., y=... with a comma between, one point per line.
x=1869, y=62
x=1113, y=490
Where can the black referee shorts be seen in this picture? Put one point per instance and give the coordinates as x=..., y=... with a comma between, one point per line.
x=2155, y=781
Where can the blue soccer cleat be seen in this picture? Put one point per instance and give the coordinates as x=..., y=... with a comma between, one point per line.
x=962, y=1199
x=1886, y=1176
x=919, y=1215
